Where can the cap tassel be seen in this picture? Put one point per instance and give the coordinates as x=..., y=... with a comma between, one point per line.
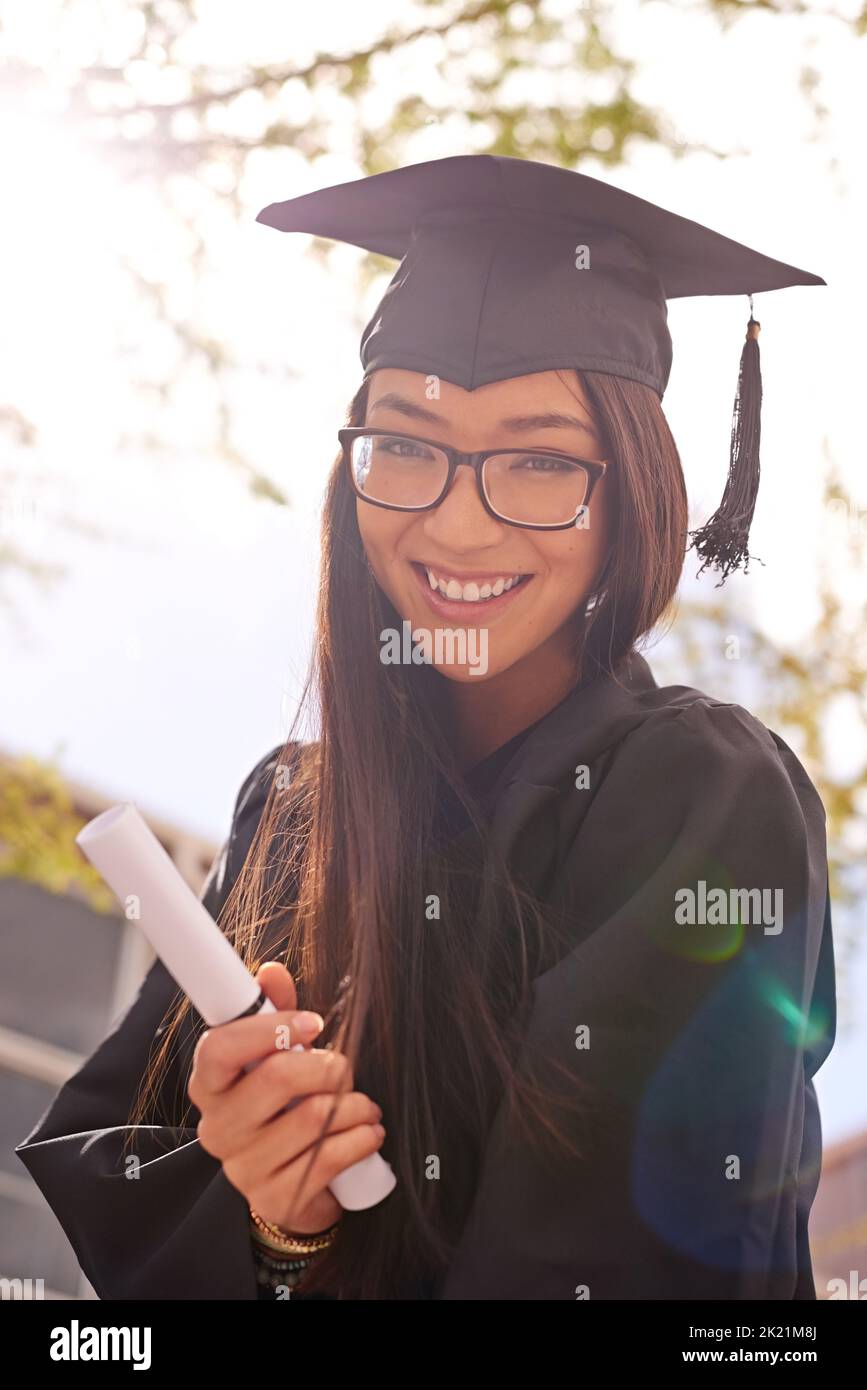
x=722, y=541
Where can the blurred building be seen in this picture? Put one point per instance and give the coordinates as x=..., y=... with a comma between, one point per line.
x=838, y=1221
x=67, y=973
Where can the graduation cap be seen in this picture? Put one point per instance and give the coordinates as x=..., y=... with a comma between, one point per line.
x=510, y=266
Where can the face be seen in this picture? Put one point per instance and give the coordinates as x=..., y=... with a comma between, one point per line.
x=465, y=547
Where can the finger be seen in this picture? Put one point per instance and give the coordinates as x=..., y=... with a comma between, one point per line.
x=232, y=1118
x=293, y=1187
x=222, y=1053
x=278, y=984
x=288, y=1136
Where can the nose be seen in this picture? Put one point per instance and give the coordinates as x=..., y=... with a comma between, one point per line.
x=461, y=521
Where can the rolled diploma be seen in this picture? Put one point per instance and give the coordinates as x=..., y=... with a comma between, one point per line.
x=191, y=946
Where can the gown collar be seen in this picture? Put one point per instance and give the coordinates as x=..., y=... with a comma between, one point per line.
x=524, y=798
x=590, y=719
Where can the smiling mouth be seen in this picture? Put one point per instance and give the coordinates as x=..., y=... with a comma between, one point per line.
x=481, y=590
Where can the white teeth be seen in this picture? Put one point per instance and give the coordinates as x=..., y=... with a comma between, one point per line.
x=470, y=592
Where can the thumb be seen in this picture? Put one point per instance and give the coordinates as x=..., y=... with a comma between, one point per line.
x=274, y=979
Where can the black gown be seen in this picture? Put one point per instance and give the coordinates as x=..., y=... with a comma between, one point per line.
x=703, y=1156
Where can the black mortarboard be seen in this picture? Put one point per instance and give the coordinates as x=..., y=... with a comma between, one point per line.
x=509, y=266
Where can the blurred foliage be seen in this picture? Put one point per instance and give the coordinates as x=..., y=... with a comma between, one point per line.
x=795, y=690
x=38, y=826
x=164, y=116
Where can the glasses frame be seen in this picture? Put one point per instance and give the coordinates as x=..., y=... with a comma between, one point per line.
x=596, y=469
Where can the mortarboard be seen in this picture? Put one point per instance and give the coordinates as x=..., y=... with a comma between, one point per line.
x=510, y=266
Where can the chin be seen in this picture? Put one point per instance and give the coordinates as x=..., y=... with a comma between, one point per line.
x=467, y=675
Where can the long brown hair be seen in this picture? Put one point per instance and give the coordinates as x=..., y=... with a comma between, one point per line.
x=347, y=855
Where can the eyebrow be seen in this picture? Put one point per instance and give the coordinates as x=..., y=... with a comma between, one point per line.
x=517, y=424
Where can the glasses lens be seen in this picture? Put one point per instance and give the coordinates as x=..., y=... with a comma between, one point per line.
x=402, y=472
x=534, y=488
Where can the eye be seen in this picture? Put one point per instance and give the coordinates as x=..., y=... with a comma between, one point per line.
x=404, y=448
x=545, y=464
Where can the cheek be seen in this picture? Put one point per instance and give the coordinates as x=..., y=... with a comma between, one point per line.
x=587, y=547
x=380, y=532
x=373, y=527
x=574, y=558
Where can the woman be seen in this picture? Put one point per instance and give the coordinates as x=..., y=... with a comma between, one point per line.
x=569, y=932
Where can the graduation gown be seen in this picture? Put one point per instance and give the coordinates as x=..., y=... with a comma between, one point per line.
x=695, y=1043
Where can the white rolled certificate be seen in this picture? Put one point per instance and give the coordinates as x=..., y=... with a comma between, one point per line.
x=194, y=950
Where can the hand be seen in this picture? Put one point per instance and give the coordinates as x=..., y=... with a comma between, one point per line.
x=264, y=1152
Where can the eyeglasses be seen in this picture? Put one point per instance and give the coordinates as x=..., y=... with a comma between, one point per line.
x=542, y=489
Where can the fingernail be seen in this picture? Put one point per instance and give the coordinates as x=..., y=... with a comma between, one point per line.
x=379, y=1131
x=309, y=1022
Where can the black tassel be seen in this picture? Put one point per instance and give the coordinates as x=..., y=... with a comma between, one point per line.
x=723, y=540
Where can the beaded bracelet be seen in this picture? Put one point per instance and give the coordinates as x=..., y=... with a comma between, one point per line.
x=273, y=1274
